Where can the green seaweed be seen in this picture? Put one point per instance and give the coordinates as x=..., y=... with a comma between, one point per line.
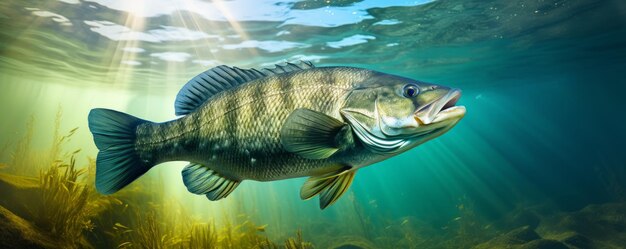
x=297, y=242
x=156, y=231
x=203, y=235
x=65, y=211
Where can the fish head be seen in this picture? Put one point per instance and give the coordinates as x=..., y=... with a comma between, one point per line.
x=391, y=114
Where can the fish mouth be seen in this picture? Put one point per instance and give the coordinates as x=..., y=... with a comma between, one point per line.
x=444, y=109
x=450, y=111
x=439, y=117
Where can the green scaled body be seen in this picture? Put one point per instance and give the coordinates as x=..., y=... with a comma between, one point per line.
x=264, y=125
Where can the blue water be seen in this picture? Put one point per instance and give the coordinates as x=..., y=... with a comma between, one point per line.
x=543, y=83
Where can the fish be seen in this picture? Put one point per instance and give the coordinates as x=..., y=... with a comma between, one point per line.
x=404, y=222
x=292, y=120
x=261, y=228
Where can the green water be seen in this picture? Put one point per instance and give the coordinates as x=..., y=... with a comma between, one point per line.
x=542, y=82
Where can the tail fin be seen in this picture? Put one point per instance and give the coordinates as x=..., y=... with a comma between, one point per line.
x=117, y=163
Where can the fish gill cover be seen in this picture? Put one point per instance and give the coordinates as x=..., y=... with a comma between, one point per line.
x=537, y=162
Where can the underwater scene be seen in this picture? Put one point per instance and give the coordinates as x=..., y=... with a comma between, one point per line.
x=483, y=124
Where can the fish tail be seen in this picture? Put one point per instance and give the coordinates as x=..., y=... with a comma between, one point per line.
x=118, y=163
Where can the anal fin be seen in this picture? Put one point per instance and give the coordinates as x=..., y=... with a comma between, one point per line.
x=329, y=186
x=202, y=180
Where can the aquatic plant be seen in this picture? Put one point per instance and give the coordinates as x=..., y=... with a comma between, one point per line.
x=203, y=235
x=165, y=223
x=155, y=230
x=67, y=209
x=297, y=242
x=21, y=158
x=150, y=234
x=26, y=161
x=68, y=206
x=60, y=205
x=64, y=210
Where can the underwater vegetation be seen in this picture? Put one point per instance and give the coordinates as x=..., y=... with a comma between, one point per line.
x=58, y=207
x=51, y=202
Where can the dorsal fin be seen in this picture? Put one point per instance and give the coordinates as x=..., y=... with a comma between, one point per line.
x=288, y=67
x=210, y=82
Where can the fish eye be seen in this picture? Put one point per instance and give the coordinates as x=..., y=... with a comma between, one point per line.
x=410, y=90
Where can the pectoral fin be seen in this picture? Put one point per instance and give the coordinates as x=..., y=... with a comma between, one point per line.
x=311, y=134
x=329, y=186
x=202, y=180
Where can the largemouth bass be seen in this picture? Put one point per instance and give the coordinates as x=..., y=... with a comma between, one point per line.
x=293, y=120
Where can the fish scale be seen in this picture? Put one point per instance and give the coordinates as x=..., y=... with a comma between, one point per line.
x=258, y=129
x=290, y=121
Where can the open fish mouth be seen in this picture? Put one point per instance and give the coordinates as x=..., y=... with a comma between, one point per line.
x=450, y=111
x=393, y=135
x=446, y=110
x=435, y=118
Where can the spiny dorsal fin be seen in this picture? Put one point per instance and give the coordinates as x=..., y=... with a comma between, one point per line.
x=289, y=67
x=329, y=186
x=205, y=85
x=199, y=179
x=311, y=134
